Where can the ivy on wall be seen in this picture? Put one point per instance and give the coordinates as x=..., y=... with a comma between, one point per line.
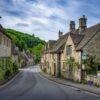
x=7, y=68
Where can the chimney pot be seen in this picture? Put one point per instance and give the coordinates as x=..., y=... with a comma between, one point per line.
x=82, y=23
x=72, y=26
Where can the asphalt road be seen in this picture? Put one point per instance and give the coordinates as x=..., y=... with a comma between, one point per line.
x=30, y=85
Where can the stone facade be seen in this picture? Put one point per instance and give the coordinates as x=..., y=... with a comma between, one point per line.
x=72, y=44
x=5, y=46
x=75, y=73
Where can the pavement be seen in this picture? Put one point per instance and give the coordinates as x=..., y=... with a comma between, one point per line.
x=31, y=85
x=84, y=87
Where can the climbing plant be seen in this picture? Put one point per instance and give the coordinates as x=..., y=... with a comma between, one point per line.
x=71, y=62
x=91, y=64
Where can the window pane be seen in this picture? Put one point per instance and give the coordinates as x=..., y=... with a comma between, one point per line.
x=69, y=50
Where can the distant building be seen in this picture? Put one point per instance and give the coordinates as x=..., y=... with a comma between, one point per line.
x=16, y=54
x=26, y=59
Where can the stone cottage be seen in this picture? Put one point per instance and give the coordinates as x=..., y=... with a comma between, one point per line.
x=75, y=43
x=5, y=49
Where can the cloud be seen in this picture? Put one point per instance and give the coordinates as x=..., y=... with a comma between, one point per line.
x=21, y=25
x=45, y=18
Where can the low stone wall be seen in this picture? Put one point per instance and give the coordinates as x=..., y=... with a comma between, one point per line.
x=95, y=80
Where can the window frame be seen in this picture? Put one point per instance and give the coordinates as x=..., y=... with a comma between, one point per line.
x=69, y=50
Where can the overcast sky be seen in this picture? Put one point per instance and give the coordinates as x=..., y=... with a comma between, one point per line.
x=46, y=17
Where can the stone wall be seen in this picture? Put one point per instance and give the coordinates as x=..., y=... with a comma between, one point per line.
x=95, y=80
x=75, y=74
x=5, y=46
x=93, y=46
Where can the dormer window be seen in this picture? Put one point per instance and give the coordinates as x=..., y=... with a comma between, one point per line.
x=69, y=50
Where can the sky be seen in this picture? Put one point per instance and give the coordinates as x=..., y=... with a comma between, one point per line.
x=45, y=18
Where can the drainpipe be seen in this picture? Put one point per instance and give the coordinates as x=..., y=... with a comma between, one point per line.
x=81, y=65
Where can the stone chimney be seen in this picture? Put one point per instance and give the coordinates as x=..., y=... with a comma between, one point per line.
x=72, y=26
x=60, y=34
x=82, y=23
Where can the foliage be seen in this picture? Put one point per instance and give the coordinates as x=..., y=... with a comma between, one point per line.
x=71, y=62
x=91, y=64
x=1, y=74
x=15, y=67
x=84, y=81
x=37, y=51
x=8, y=68
x=27, y=42
x=7, y=74
x=23, y=39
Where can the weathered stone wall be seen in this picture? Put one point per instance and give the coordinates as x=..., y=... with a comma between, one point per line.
x=50, y=60
x=94, y=79
x=5, y=46
x=93, y=46
x=77, y=56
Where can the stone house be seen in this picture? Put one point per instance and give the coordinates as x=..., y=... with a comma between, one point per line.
x=30, y=58
x=5, y=50
x=72, y=44
x=5, y=44
x=26, y=59
x=15, y=54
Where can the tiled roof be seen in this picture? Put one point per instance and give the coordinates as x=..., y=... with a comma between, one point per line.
x=79, y=39
x=76, y=38
x=89, y=32
x=59, y=45
x=51, y=44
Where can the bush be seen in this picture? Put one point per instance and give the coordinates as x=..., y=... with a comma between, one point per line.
x=7, y=74
x=7, y=68
x=1, y=74
x=15, y=67
x=91, y=64
x=84, y=81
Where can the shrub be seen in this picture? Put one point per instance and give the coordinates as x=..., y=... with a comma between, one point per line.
x=84, y=81
x=91, y=64
x=15, y=67
x=7, y=74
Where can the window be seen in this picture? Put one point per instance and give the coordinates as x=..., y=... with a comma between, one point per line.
x=98, y=67
x=69, y=50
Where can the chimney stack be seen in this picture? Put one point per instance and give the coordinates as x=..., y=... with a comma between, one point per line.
x=72, y=26
x=60, y=34
x=82, y=23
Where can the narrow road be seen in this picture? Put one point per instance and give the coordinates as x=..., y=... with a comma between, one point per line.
x=30, y=85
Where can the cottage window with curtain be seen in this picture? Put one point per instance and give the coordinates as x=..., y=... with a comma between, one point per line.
x=69, y=50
